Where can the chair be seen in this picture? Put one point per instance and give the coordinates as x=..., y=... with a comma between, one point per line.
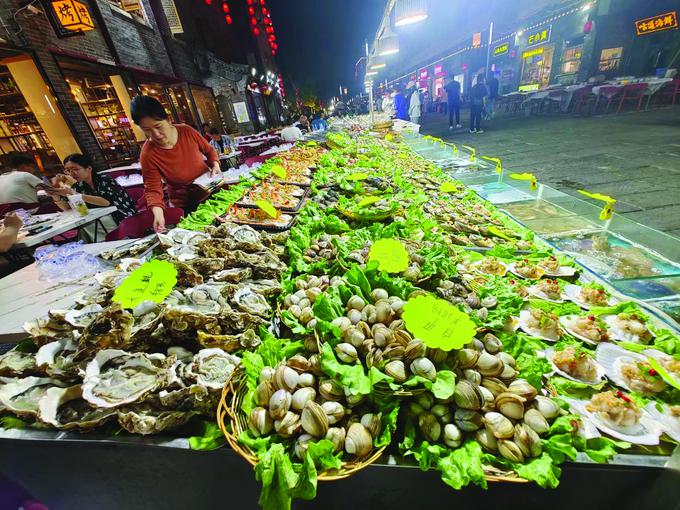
x=633, y=92
x=141, y=224
x=608, y=92
x=583, y=97
x=136, y=193
x=670, y=92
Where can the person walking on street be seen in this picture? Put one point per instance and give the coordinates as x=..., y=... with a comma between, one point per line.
x=414, y=103
x=401, y=105
x=493, y=95
x=478, y=94
x=453, y=100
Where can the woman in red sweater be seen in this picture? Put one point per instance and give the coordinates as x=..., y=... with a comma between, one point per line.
x=174, y=153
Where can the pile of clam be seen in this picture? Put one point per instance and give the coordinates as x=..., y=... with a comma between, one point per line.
x=457, y=293
x=375, y=333
x=321, y=249
x=506, y=414
x=295, y=400
x=300, y=302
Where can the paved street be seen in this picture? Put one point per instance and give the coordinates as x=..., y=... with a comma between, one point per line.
x=634, y=157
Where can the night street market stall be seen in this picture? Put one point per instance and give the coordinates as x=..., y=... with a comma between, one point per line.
x=359, y=308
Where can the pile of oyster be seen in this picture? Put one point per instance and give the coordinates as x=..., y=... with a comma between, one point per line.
x=295, y=400
x=146, y=393
x=506, y=414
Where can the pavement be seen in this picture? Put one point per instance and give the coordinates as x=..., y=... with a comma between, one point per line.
x=633, y=157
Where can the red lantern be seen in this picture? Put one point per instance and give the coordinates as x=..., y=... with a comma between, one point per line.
x=256, y=31
x=207, y=2
x=225, y=7
x=269, y=30
x=250, y=2
x=251, y=11
x=228, y=19
x=253, y=22
x=261, y=2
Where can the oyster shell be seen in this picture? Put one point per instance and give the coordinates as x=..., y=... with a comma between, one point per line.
x=237, y=322
x=65, y=409
x=47, y=329
x=56, y=359
x=147, y=420
x=183, y=252
x=229, y=343
x=114, y=377
x=211, y=368
x=233, y=275
x=83, y=317
x=22, y=396
x=111, y=329
x=16, y=364
x=195, y=398
x=251, y=302
x=206, y=266
x=183, y=325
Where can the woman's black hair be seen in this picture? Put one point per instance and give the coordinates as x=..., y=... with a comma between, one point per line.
x=214, y=131
x=147, y=106
x=79, y=159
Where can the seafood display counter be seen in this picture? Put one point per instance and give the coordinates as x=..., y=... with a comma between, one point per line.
x=386, y=322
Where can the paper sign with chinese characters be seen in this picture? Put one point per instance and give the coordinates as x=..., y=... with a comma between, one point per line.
x=657, y=23
x=438, y=323
x=152, y=281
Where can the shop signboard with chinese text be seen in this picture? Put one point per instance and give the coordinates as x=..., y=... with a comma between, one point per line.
x=477, y=40
x=69, y=17
x=540, y=36
x=667, y=21
x=439, y=70
x=501, y=49
x=422, y=78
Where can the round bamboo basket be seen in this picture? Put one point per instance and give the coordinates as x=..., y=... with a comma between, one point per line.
x=233, y=422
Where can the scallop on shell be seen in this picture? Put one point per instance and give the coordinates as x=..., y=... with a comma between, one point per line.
x=617, y=333
x=668, y=420
x=573, y=293
x=566, y=321
x=522, y=323
x=612, y=357
x=534, y=291
x=549, y=353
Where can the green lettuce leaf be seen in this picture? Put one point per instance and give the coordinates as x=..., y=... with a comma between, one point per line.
x=211, y=438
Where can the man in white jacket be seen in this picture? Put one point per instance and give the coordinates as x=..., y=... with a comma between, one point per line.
x=414, y=103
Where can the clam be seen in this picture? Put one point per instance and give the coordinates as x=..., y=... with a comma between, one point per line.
x=383, y=312
x=279, y=404
x=289, y=425
x=506, y=358
x=356, y=303
x=369, y=315
x=414, y=349
x=261, y=423
x=342, y=323
x=301, y=445
x=382, y=335
x=314, y=420
x=306, y=380
x=510, y=405
x=536, y=421
x=393, y=351
x=452, y=436
x=425, y=400
x=330, y=390
x=499, y=425
x=263, y=392
x=396, y=370
x=467, y=358
x=487, y=440
x=430, y=427
x=508, y=374
x=314, y=366
x=354, y=316
x=334, y=411
x=473, y=376
x=336, y=435
x=494, y=385
x=354, y=400
x=437, y=356
x=423, y=367
x=523, y=388
x=298, y=363
x=489, y=365
x=372, y=422
x=286, y=378
x=302, y=396
x=346, y=352
x=510, y=451
x=378, y=294
x=468, y=396
x=358, y=440
x=353, y=336
x=528, y=441
x=489, y=399
x=467, y=420
x=547, y=407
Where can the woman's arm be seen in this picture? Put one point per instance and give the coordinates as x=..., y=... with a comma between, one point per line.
x=153, y=184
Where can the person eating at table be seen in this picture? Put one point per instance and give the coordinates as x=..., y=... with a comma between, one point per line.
x=97, y=191
x=177, y=154
x=221, y=143
x=20, y=184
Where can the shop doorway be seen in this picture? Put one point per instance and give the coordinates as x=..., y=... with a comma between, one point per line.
x=536, y=68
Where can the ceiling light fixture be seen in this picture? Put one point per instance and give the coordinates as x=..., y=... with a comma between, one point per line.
x=408, y=12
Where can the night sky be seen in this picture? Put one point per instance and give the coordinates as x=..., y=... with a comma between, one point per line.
x=320, y=41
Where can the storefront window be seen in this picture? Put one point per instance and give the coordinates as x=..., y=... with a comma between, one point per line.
x=179, y=98
x=536, y=68
x=571, y=60
x=610, y=59
x=205, y=104
x=99, y=102
x=159, y=92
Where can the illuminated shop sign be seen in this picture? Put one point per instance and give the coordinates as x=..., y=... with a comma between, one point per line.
x=477, y=40
x=439, y=70
x=539, y=37
x=70, y=17
x=657, y=23
x=501, y=50
x=423, y=74
x=532, y=53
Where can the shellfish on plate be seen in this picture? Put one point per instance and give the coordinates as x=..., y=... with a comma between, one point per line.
x=628, y=327
x=587, y=297
x=629, y=370
x=576, y=364
x=547, y=290
x=588, y=328
x=540, y=324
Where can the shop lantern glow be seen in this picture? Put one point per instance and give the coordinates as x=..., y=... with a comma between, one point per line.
x=407, y=12
x=72, y=15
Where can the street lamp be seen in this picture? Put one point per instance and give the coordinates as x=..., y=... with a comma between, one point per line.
x=388, y=44
x=408, y=12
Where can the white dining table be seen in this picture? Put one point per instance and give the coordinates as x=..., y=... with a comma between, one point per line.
x=134, y=167
x=25, y=296
x=63, y=222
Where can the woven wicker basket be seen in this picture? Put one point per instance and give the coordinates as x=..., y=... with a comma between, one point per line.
x=233, y=422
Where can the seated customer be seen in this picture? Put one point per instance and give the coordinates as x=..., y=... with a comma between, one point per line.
x=10, y=229
x=97, y=190
x=221, y=143
x=20, y=184
x=291, y=133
